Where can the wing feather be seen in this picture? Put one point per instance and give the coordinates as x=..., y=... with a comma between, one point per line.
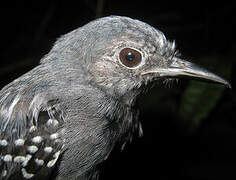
x=30, y=135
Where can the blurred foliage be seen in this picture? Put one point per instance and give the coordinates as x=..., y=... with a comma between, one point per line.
x=199, y=98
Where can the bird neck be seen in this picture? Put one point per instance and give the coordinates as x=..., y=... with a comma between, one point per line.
x=123, y=119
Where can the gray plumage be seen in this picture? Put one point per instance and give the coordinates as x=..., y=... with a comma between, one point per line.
x=62, y=119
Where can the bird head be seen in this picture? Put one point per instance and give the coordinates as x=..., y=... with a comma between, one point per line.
x=120, y=55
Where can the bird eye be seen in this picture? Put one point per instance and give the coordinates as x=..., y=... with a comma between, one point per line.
x=130, y=57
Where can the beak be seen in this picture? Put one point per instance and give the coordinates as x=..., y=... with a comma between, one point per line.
x=184, y=68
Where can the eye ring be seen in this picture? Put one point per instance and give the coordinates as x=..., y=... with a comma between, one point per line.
x=130, y=57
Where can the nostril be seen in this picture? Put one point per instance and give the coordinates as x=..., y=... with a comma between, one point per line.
x=182, y=65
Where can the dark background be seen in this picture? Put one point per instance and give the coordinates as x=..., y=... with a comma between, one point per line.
x=189, y=127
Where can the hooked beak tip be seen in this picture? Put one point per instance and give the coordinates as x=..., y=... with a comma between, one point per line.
x=228, y=85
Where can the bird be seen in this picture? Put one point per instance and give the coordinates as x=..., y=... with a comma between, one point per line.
x=62, y=119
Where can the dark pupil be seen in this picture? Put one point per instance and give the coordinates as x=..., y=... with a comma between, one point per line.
x=129, y=56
